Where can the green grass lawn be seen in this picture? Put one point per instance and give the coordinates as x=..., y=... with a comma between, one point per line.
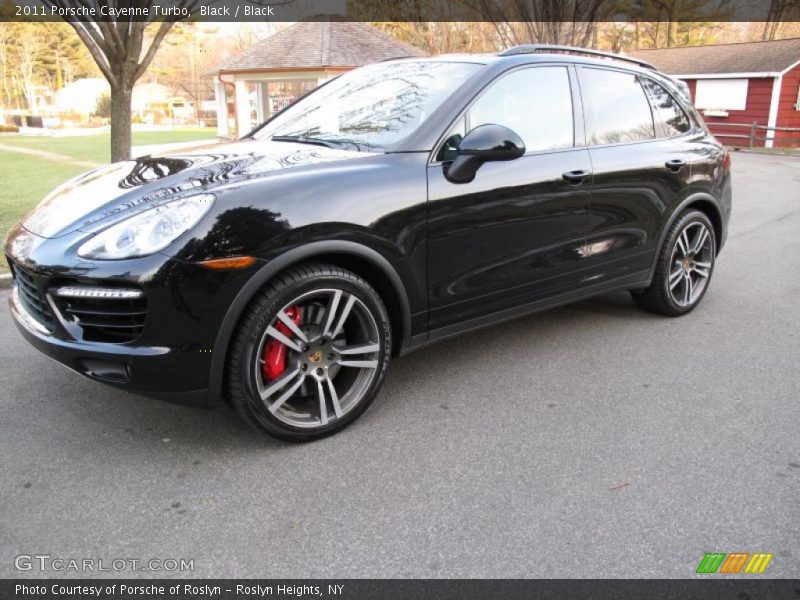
x=27, y=179
x=97, y=148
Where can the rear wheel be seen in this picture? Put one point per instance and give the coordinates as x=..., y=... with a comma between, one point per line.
x=310, y=353
x=684, y=267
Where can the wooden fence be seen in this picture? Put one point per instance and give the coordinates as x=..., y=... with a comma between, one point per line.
x=751, y=135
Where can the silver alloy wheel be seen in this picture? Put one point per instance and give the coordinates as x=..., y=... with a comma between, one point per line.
x=690, y=264
x=332, y=358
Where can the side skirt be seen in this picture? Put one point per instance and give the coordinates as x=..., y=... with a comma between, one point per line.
x=640, y=279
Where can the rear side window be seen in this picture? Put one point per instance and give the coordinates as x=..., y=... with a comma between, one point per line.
x=536, y=103
x=615, y=106
x=674, y=119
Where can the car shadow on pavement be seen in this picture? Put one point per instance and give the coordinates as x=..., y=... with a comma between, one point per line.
x=99, y=411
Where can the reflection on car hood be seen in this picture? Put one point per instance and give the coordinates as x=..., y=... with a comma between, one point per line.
x=118, y=188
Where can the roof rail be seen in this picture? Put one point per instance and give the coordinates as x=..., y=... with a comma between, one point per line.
x=534, y=48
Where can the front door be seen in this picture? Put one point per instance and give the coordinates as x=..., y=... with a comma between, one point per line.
x=514, y=234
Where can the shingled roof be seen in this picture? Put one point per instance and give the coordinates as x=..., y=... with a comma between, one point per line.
x=747, y=57
x=315, y=44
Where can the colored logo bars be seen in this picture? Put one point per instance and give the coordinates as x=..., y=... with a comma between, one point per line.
x=720, y=562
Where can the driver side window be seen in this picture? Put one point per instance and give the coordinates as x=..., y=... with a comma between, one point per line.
x=536, y=103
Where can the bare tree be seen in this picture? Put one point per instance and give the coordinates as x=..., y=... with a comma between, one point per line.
x=667, y=23
x=118, y=49
x=778, y=13
x=571, y=22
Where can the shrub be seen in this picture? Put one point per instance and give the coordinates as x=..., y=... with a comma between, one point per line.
x=103, y=108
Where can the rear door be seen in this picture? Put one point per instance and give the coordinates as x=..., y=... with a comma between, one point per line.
x=512, y=235
x=639, y=172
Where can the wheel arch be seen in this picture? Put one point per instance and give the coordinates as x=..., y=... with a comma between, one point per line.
x=705, y=203
x=362, y=260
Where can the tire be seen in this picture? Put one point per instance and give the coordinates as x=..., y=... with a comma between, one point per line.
x=683, y=270
x=337, y=341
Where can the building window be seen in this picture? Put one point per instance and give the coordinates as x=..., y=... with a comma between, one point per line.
x=284, y=93
x=721, y=94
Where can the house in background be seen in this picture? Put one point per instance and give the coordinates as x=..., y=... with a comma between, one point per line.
x=739, y=83
x=150, y=102
x=254, y=85
x=80, y=96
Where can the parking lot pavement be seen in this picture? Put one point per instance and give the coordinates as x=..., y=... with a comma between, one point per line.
x=590, y=441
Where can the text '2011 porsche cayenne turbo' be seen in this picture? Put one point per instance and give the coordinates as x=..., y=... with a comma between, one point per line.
x=401, y=203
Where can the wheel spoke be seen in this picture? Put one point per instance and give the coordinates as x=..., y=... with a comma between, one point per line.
x=700, y=240
x=286, y=320
x=323, y=409
x=272, y=332
x=287, y=394
x=343, y=317
x=675, y=278
x=337, y=409
x=332, y=306
x=359, y=364
x=687, y=289
x=683, y=243
x=276, y=385
x=702, y=272
x=363, y=349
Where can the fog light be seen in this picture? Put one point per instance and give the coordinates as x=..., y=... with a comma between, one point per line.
x=106, y=369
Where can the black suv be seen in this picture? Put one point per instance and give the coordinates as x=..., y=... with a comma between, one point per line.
x=399, y=204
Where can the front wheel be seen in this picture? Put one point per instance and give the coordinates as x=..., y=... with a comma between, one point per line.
x=684, y=268
x=310, y=353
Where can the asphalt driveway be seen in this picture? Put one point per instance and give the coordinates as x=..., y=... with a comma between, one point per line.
x=590, y=441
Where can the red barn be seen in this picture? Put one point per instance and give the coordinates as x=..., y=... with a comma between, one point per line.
x=746, y=83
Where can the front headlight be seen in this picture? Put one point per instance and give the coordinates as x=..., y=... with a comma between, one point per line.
x=149, y=231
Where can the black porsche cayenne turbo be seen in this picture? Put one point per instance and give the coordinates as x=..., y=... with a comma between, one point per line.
x=399, y=204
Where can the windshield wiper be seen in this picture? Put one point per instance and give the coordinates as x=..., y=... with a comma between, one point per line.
x=303, y=140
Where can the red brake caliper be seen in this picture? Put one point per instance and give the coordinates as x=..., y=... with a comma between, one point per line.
x=275, y=351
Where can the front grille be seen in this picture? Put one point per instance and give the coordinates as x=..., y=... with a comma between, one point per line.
x=115, y=320
x=31, y=297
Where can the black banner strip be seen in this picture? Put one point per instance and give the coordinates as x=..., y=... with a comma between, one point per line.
x=506, y=11
x=399, y=589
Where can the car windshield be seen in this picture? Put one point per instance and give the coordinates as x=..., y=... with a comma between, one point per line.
x=370, y=108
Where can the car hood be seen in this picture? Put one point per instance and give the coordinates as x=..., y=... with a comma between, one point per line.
x=120, y=189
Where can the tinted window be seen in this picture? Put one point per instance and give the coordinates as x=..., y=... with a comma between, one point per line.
x=536, y=103
x=615, y=106
x=675, y=120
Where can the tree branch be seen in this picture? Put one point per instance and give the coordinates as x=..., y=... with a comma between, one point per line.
x=100, y=58
x=163, y=29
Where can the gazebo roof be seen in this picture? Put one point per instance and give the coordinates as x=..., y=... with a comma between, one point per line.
x=316, y=44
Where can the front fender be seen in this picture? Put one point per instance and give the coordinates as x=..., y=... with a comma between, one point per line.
x=283, y=262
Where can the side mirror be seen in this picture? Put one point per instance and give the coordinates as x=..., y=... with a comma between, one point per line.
x=483, y=144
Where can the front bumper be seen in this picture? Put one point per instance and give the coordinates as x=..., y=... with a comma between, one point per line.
x=133, y=368
x=170, y=356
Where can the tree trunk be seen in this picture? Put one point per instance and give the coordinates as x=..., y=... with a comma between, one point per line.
x=121, y=123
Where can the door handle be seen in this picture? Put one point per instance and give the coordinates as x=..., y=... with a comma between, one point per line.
x=575, y=177
x=675, y=164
